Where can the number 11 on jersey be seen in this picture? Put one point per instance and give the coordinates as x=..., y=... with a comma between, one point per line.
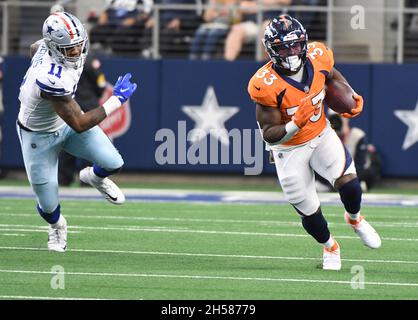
x=52, y=71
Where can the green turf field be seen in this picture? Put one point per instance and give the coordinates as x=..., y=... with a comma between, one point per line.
x=202, y=251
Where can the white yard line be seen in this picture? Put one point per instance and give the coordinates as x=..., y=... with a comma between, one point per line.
x=40, y=229
x=176, y=219
x=3, y=227
x=205, y=277
x=212, y=255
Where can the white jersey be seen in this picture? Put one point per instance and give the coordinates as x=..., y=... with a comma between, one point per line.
x=47, y=75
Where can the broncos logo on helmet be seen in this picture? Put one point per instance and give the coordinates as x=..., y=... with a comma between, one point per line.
x=62, y=32
x=285, y=40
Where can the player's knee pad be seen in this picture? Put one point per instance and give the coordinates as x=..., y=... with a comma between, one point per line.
x=47, y=195
x=350, y=194
x=119, y=163
x=316, y=226
x=293, y=189
x=112, y=164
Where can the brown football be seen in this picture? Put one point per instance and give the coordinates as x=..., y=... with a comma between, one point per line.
x=339, y=96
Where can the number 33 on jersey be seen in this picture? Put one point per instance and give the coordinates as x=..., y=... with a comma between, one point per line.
x=272, y=89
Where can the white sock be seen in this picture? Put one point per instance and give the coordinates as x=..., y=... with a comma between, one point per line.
x=60, y=223
x=330, y=243
x=354, y=216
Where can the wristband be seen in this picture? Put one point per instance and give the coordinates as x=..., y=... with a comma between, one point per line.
x=291, y=129
x=111, y=104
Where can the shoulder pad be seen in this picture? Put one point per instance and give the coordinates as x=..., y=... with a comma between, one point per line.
x=52, y=85
x=56, y=80
x=318, y=52
x=260, y=92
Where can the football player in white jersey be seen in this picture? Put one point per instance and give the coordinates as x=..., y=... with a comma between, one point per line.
x=50, y=120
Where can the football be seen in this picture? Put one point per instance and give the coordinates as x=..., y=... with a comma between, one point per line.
x=339, y=96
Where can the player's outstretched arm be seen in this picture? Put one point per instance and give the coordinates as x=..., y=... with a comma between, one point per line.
x=69, y=110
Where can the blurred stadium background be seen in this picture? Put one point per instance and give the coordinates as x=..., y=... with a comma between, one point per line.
x=378, y=57
x=380, y=60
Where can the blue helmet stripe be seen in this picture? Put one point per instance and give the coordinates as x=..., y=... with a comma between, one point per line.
x=72, y=20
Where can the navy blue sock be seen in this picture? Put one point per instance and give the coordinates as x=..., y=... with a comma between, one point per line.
x=317, y=226
x=102, y=173
x=350, y=195
x=52, y=217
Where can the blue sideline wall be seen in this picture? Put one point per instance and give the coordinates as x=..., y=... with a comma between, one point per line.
x=166, y=86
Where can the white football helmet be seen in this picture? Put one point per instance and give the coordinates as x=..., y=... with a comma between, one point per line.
x=62, y=32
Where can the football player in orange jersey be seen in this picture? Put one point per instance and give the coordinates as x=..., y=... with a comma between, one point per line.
x=289, y=92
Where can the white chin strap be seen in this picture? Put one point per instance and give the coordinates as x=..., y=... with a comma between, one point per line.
x=292, y=63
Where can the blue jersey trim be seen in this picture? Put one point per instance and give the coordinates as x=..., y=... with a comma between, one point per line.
x=325, y=73
x=48, y=89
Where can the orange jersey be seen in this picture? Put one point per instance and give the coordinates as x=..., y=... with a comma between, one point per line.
x=269, y=88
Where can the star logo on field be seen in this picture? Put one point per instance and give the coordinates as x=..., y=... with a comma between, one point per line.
x=410, y=118
x=210, y=118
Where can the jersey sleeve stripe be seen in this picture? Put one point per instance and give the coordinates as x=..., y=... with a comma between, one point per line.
x=48, y=89
x=280, y=98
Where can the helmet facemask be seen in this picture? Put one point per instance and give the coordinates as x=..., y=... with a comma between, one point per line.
x=290, y=55
x=64, y=55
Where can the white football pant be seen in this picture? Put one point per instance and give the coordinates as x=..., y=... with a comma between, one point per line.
x=295, y=168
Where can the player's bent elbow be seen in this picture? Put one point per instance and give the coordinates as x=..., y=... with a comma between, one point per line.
x=83, y=123
x=78, y=127
x=33, y=48
x=271, y=137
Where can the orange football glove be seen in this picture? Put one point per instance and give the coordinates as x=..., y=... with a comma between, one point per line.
x=305, y=111
x=357, y=109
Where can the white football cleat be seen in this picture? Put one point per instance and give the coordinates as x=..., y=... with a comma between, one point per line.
x=332, y=258
x=107, y=187
x=365, y=231
x=57, y=235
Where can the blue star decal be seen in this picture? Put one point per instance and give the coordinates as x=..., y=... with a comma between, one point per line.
x=50, y=29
